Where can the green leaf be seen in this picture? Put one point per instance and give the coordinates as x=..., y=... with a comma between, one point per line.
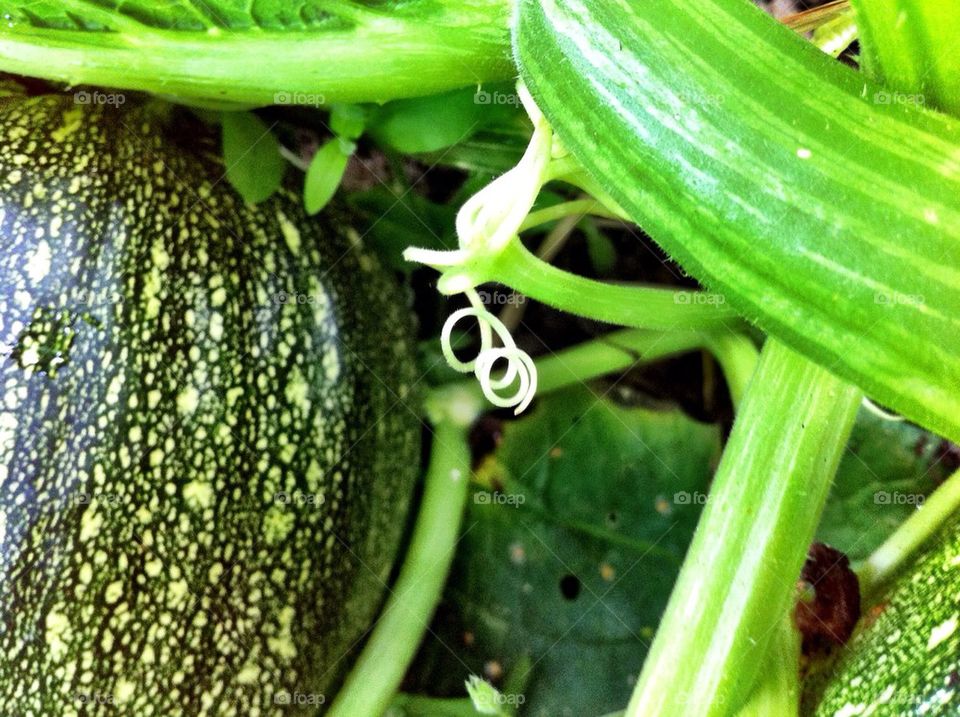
x=252, y=156
x=426, y=124
x=575, y=575
x=888, y=470
x=270, y=52
x=323, y=175
x=348, y=121
x=829, y=219
x=911, y=46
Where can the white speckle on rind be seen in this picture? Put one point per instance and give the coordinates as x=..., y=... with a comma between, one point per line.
x=941, y=632
x=291, y=235
x=198, y=494
x=58, y=633
x=38, y=263
x=188, y=400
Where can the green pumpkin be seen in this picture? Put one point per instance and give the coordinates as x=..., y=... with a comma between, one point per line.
x=206, y=441
x=906, y=661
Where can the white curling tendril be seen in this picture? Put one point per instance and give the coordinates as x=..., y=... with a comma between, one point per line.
x=485, y=224
x=520, y=367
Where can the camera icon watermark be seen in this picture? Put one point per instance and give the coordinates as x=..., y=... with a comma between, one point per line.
x=299, y=498
x=310, y=99
x=497, y=498
x=482, y=97
x=886, y=97
x=883, y=497
x=685, y=498
x=288, y=297
x=895, y=298
x=85, y=97
x=501, y=298
x=304, y=699
x=699, y=298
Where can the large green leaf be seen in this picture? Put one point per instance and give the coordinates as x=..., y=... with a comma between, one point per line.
x=775, y=175
x=261, y=52
x=576, y=575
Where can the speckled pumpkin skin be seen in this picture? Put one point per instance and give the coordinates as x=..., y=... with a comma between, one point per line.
x=206, y=450
x=907, y=662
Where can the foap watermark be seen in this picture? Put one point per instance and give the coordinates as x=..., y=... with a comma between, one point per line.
x=89, y=297
x=886, y=97
x=299, y=698
x=895, y=298
x=88, y=498
x=93, y=698
x=501, y=298
x=883, y=497
x=85, y=97
x=482, y=97
x=310, y=99
x=484, y=497
x=685, y=498
x=699, y=298
x=700, y=99
x=299, y=498
x=284, y=297
x=509, y=699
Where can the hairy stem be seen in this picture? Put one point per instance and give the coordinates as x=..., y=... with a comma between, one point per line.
x=778, y=689
x=623, y=305
x=739, y=576
x=373, y=56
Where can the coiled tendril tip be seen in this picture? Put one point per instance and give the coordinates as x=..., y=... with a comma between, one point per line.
x=520, y=369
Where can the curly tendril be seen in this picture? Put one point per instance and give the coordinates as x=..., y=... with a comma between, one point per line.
x=520, y=369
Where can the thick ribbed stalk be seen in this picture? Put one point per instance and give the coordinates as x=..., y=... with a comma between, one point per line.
x=362, y=53
x=738, y=579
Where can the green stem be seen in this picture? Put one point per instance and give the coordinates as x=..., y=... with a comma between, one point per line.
x=634, y=306
x=737, y=356
x=708, y=158
x=614, y=352
x=611, y=353
x=778, y=689
x=911, y=535
x=738, y=578
x=394, y=641
x=576, y=207
x=418, y=49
